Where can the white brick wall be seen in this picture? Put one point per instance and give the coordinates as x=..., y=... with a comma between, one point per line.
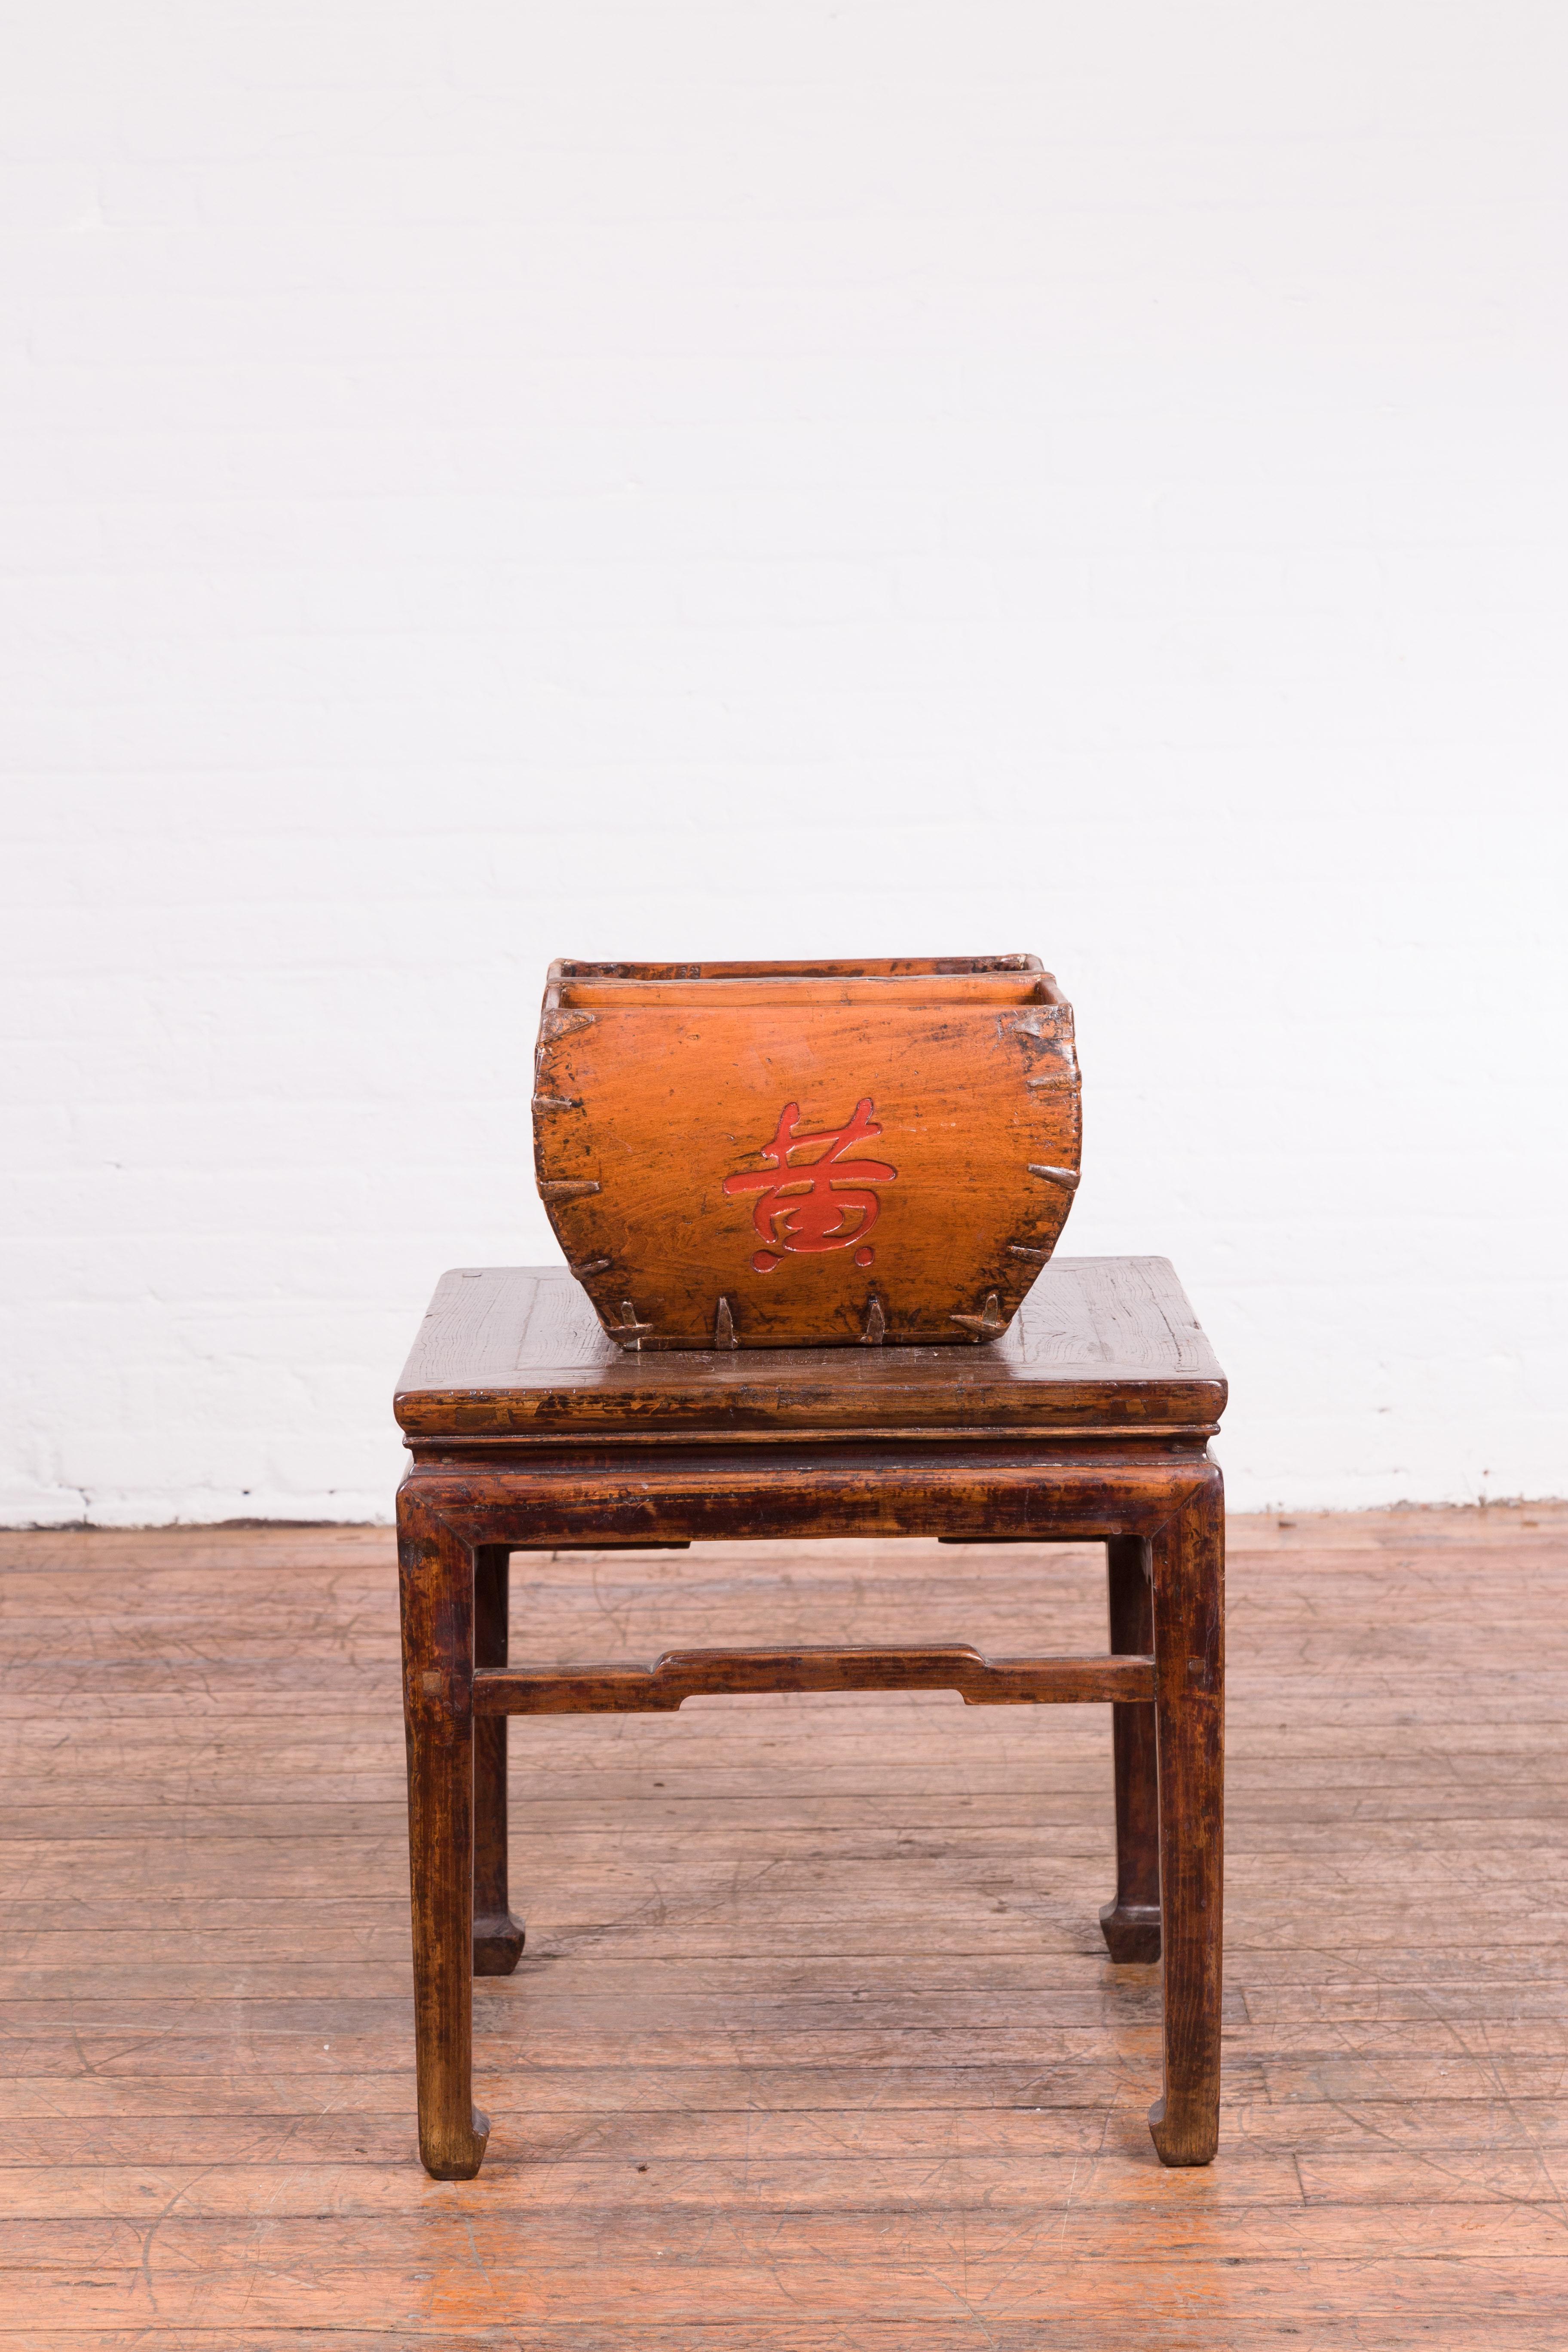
x=487, y=479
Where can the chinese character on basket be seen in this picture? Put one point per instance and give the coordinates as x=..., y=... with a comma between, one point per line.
x=812, y=1208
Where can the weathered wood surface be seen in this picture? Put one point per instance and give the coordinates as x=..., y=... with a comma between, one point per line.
x=456, y=1511
x=514, y=1352
x=682, y=1674
x=1131, y=1921
x=435, y=1582
x=786, y=1157
x=827, y=1967
x=498, y=1936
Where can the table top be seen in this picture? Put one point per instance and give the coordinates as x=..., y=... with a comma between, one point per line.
x=1099, y=1344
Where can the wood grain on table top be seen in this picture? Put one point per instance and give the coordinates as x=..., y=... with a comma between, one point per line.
x=1108, y=1342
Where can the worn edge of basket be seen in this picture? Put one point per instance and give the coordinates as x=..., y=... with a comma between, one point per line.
x=571, y=968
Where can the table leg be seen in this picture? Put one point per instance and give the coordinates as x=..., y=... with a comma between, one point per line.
x=438, y=1593
x=498, y=1937
x=1189, y=1707
x=1132, y=1924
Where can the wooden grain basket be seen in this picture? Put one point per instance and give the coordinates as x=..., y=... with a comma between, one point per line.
x=806, y=1155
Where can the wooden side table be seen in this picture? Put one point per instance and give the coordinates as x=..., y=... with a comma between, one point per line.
x=529, y=1428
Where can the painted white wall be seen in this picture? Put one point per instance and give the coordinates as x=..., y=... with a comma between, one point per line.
x=777, y=476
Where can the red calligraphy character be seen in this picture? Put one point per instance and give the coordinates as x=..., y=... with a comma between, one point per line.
x=812, y=1208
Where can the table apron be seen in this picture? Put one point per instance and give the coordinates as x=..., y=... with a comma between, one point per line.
x=979, y=1497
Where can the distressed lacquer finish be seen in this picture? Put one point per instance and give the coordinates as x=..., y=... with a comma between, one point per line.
x=531, y=1432
x=785, y=1155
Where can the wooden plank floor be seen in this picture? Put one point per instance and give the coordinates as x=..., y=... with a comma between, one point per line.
x=815, y=2047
